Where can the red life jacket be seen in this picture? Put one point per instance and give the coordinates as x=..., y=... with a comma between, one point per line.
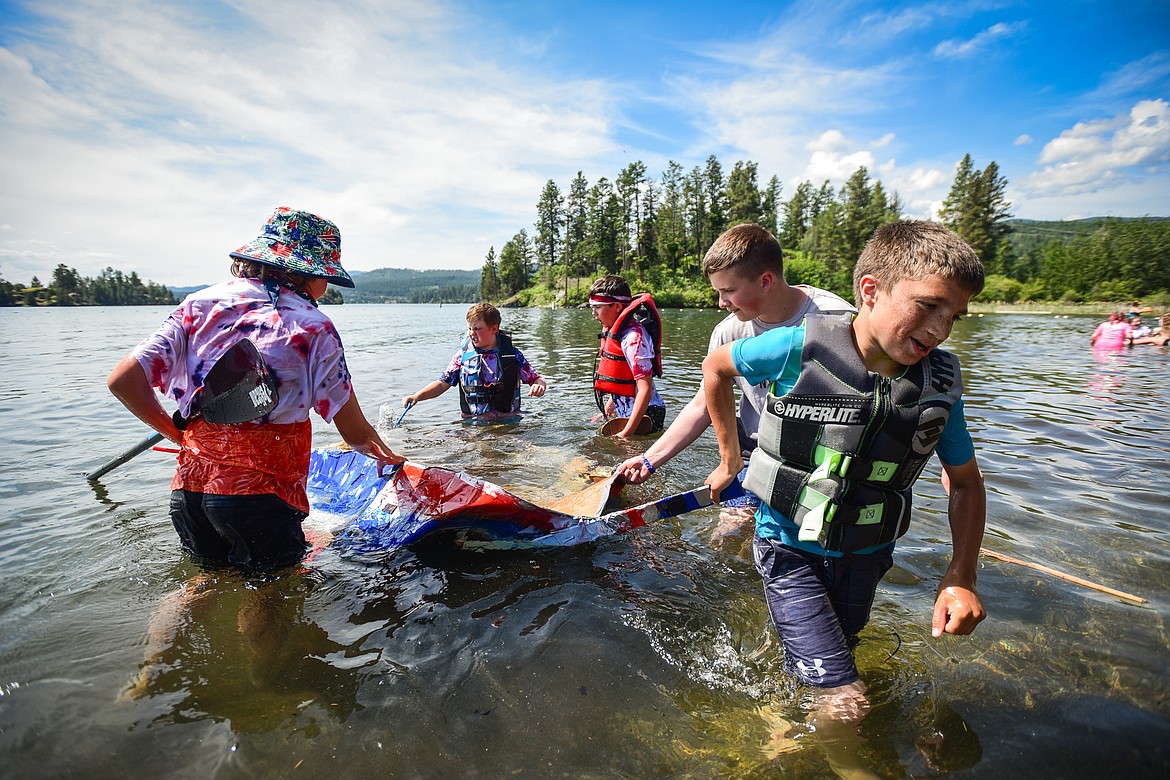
x=613, y=374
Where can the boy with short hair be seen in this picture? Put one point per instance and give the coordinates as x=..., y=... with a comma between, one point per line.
x=488, y=370
x=630, y=355
x=745, y=265
x=853, y=413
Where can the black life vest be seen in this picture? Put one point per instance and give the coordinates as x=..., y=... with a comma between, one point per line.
x=473, y=385
x=839, y=452
x=612, y=373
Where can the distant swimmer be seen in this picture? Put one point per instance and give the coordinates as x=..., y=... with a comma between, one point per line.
x=1114, y=333
x=1143, y=335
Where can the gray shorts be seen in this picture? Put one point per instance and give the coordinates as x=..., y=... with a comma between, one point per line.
x=819, y=604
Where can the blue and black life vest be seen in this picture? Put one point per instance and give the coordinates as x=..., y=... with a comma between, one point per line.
x=839, y=452
x=475, y=389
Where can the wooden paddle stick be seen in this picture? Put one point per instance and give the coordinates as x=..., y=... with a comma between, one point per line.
x=137, y=449
x=1068, y=577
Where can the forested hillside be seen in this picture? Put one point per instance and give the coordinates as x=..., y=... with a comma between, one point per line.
x=404, y=285
x=656, y=231
x=1028, y=234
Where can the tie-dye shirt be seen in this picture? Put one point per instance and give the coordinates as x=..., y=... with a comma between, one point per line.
x=298, y=343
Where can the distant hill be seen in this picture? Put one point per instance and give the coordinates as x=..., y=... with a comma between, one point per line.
x=1029, y=233
x=397, y=285
x=182, y=292
x=405, y=285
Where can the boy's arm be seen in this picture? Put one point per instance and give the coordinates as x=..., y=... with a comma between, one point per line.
x=645, y=387
x=957, y=607
x=130, y=385
x=718, y=371
x=358, y=433
x=436, y=388
x=528, y=375
x=448, y=379
x=687, y=427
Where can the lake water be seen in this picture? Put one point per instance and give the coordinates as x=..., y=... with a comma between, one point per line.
x=648, y=654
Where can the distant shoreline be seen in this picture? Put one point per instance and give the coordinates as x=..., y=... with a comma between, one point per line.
x=1057, y=308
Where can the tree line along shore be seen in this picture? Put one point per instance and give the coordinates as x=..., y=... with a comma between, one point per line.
x=656, y=231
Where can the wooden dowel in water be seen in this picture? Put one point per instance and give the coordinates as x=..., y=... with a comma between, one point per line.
x=1069, y=577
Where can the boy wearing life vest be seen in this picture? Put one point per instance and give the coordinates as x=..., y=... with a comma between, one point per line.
x=630, y=355
x=745, y=266
x=488, y=370
x=238, y=494
x=855, y=408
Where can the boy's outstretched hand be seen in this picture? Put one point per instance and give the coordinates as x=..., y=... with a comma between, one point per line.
x=537, y=388
x=635, y=470
x=957, y=610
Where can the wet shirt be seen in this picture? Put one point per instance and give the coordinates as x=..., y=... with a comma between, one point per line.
x=1111, y=334
x=299, y=344
x=638, y=348
x=732, y=328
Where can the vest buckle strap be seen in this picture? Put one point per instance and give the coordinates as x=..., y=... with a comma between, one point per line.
x=821, y=510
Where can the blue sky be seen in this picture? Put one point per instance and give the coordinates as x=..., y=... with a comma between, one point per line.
x=156, y=136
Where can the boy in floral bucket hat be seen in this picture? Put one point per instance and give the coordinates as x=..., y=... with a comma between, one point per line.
x=238, y=494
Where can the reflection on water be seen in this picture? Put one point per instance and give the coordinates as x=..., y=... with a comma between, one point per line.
x=645, y=655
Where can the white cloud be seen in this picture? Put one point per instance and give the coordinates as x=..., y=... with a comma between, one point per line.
x=155, y=137
x=1101, y=154
x=960, y=49
x=888, y=24
x=835, y=158
x=921, y=189
x=768, y=113
x=1142, y=77
x=1023, y=140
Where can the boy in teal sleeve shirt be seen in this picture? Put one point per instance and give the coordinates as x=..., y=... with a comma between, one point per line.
x=856, y=407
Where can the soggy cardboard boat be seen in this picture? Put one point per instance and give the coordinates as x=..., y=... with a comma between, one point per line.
x=397, y=509
x=393, y=510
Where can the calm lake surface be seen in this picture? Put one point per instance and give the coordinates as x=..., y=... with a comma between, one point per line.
x=644, y=655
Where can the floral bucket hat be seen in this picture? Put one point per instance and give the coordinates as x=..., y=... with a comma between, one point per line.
x=300, y=242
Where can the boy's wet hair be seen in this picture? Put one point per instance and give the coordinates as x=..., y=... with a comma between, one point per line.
x=748, y=249
x=611, y=285
x=916, y=249
x=484, y=311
